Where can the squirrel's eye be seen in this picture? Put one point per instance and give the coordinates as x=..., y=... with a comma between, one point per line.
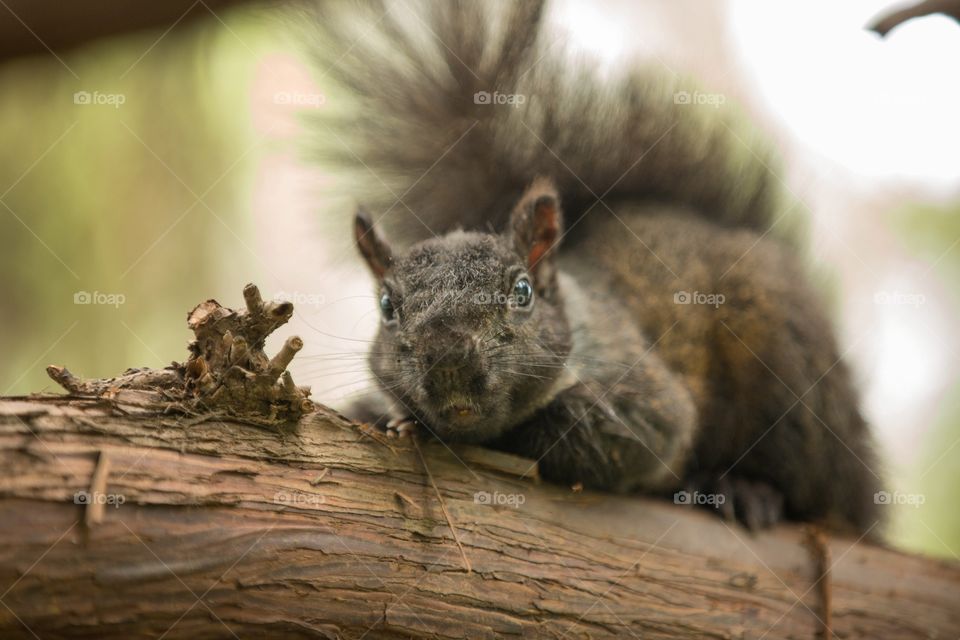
x=386, y=308
x=523, y=293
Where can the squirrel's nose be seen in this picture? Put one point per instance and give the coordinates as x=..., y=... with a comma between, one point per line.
x=449, y=350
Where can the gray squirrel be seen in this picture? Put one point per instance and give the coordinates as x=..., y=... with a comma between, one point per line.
x=584, y=270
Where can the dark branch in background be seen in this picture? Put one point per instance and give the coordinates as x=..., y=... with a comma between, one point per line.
x=884, y=24
x=30, y=27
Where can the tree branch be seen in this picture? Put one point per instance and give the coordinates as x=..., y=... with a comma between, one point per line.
x=884, y=24
x=319, y=530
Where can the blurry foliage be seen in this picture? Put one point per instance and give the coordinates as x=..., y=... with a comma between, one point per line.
x=98, y=197
x=933, y=235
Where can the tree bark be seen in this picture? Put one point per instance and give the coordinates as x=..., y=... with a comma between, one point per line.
x=207, y=527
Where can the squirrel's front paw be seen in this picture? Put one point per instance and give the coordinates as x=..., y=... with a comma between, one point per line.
x=402, y=427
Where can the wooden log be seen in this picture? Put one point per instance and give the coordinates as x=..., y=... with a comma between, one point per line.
x=211, y=528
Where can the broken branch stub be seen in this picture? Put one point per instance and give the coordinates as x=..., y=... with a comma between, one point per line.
x=227, y=370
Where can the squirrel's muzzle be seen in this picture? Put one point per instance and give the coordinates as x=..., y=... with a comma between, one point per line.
x=450, y=351
x=452, y=366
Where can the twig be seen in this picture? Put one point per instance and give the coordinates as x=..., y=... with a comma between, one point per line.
x=319, y=479
x=93, y=515
x=817, y=542
x=443, y=506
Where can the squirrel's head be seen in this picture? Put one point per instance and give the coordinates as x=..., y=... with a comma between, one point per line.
x=473, y=336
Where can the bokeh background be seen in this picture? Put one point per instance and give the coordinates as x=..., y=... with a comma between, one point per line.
x=142, y=173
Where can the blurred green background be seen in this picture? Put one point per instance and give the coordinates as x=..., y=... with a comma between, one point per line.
x=931, y=234
x=148, y=199
x=154, y=200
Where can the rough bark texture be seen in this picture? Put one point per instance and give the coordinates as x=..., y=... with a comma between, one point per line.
x=208, y=528
x=227, y=369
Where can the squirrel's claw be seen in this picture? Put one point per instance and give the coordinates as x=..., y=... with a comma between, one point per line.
x=402, y=427
x=755, y=505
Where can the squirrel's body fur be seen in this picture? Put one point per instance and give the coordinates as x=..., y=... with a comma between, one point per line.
x=611, y=377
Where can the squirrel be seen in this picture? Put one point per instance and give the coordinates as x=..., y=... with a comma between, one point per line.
x=584, y=270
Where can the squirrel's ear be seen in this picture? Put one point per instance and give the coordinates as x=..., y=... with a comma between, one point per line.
x=372, y=246
x=535, y=229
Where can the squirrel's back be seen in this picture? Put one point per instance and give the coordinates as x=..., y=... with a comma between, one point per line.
x=456, y=105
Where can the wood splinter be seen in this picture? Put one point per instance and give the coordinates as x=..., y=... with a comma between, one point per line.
x=816, y=541
x=93, y=515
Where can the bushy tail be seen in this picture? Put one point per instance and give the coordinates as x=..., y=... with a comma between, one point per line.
x=453, y=106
